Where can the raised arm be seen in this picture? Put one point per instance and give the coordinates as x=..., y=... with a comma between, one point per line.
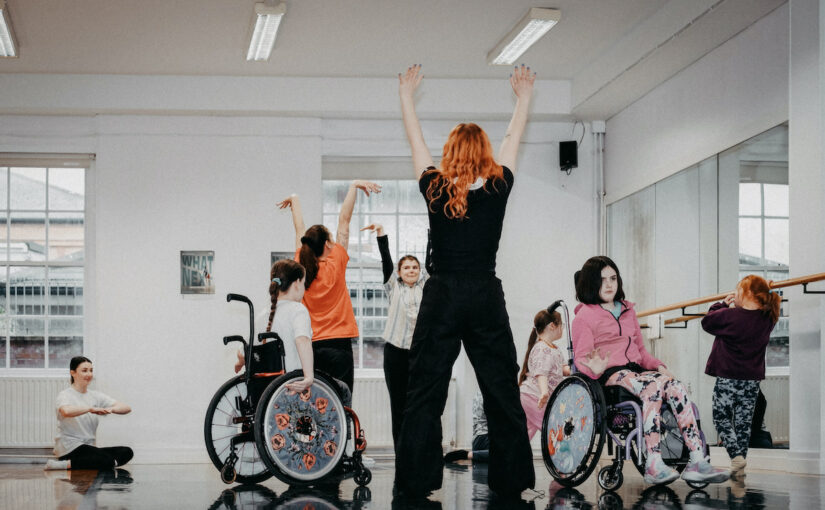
x=383, y=249
x=345, y=216
x=522, y=82
x=297, y=217
x=408, y=82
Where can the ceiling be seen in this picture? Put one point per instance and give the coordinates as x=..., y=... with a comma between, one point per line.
x=376, y=38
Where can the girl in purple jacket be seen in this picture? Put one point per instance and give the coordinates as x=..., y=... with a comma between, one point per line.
x=742, y=324
x=608, y=346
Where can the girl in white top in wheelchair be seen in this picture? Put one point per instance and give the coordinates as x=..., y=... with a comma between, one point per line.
x=608, y=346
x=290, y=319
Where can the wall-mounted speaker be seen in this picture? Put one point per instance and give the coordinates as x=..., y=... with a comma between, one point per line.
x=568, y=155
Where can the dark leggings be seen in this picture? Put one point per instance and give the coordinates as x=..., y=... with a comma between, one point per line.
x=396, y=374
x=92, y=457
x=334, y=357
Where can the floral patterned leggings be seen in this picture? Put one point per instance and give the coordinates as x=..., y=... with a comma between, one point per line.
x=653, y=388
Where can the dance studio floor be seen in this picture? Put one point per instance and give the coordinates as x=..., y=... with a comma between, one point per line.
x=27, y=486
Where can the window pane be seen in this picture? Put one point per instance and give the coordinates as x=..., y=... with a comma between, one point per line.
x=750, y=241
x=27, y=236
x=776, y=200
x=776, y=242
x=410, y=199
x=384, y=202
x=27, y=290
x=66, y=236
x=369, y=243
x=778, y=353
x=356, y=352
x=334, y=193
x=28, y=188
x=65, y=291
x=373, y=352
x=65, y=341
x=67, y=189
x=750, y=199
x=3, y=333
x=27, y=343
x=4, y=231
x=4, y=187
x=373, y=316
x=412, y=237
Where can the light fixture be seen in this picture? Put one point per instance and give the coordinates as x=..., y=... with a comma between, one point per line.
x=266, y=22
x=527, y=31
x=8, y=45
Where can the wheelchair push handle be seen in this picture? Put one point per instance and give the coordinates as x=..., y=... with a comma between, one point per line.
x=234, y=338
x=238, y=297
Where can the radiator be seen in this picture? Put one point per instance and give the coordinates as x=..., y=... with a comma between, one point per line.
x=371, y=401
x=777, y=392
x=27, y=413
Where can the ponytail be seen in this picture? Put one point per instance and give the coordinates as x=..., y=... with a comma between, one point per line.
x=773, y=306
x=312, y=247
x=281, y=277
x=540, y=321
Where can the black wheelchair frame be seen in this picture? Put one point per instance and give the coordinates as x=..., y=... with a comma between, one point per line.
x=235, y=406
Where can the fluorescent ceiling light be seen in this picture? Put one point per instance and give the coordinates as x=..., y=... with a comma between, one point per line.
x=527, y=31
x=8, y=46
x=267, y=20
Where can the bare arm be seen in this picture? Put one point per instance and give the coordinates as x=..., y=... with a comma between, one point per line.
x=345, y=216
x=294, y=204
x=72, y=411
x=408, y=82
x=545, y=390
x=522, y=82
x=120, y=408
x=304, y=346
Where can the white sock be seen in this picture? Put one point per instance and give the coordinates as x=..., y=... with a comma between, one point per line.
x=697, y=456
x=57, y=464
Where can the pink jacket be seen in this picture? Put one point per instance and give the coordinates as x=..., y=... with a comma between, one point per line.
x=594, y=327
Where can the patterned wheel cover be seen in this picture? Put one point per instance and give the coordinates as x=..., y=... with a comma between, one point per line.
x=570, y=427
x=306, y=431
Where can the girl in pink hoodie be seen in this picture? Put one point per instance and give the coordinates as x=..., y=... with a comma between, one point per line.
x=608, y=346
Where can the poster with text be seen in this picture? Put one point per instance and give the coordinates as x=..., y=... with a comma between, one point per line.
x=275, y=256
x=196, y=272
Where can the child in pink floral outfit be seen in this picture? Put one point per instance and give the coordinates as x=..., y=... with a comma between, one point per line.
x=544, y=367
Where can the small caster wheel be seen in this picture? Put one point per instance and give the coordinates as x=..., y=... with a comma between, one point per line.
x=697, y=485
x=610, y=477
x=228, y=473
x=363, y=476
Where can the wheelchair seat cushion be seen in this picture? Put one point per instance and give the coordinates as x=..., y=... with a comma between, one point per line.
x=615, y=394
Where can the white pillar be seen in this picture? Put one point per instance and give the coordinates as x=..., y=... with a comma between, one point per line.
x=807, y=233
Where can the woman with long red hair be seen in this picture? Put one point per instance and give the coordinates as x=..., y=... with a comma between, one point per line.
x=463, y=300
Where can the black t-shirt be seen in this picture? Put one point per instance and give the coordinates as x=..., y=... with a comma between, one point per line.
x=469, y=244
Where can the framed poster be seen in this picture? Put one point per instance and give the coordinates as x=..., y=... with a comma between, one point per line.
x=275, y=256
x=196, y=272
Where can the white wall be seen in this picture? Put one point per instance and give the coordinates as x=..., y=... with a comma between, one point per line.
x=161, y=184
x=735, y=92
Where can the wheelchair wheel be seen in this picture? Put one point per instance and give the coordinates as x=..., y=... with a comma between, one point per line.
x=302, y=436
x=674, y=451
x=220, y=428
x=573, y=430
x=611, y=477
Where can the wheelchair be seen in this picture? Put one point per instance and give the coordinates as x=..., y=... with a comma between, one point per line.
x=581, y=416
x=255, y=427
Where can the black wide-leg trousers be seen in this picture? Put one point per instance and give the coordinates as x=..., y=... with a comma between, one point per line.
x=468, y=308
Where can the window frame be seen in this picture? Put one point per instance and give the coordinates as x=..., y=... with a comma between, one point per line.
x=49, y=161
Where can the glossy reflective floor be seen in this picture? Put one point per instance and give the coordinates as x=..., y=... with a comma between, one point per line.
x=26, y=486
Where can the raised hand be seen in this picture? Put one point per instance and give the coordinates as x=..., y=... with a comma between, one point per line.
x=299, y=386
x=409, y=81
x=522, y=81
x=375, y=227
x=367, y=187
x=288, y=201
x=729, y=299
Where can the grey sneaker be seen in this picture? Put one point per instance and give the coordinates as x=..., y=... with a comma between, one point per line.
x=702, y=471
x=658, y=473
x=56, y=464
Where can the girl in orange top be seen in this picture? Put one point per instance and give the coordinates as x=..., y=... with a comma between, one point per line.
x=327, y=297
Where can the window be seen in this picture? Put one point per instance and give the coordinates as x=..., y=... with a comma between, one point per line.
x=401, y=209
x=764, y=251
x=42, y=246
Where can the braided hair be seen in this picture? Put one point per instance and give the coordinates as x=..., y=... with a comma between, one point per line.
x=282, y=275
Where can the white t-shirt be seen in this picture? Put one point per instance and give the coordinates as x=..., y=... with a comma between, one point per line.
x=73, y=432
x=291, y=321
